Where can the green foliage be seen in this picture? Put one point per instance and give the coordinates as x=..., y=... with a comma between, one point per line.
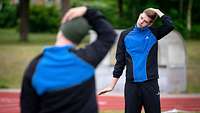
x=44, y=19
x=108, y=8
x=8, y=15
x=93, y=3
x=113, y=16
x=180, y=25
x=195, y=32
x=195, y=12
x=179, y=22
x=132, y=8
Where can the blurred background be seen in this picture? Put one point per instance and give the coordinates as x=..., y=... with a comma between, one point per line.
x=26, y=26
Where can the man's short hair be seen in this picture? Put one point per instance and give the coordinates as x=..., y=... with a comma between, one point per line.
x=151, y=14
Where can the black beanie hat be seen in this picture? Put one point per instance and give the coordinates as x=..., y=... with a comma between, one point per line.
x=76, y=29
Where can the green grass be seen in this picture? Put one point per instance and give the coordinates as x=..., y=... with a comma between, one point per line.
x=15, y=56
x=193, y=69
x=11, y=36
x=13, y=60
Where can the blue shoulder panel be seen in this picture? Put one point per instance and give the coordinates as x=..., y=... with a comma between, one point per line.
x=58, y=69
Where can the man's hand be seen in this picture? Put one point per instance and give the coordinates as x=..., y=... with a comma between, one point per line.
x=73, y=13
x=105, y=90
x=159, y=13
x=110, y=87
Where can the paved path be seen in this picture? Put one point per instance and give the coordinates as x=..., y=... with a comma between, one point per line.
x=9, y=102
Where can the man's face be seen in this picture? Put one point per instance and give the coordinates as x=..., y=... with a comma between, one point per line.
x=143, y=21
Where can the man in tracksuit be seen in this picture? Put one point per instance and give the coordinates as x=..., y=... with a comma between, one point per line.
x=137, y=49
x=61, y=78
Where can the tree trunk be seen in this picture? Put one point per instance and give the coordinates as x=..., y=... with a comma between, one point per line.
x=189, y=16
x=120, y=7
x=24, y=15
x=181, y=7
x=65, y=5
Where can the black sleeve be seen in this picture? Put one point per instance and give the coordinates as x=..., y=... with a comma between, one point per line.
x=120, y=57
x=29, y=100
x=96, y=51
x=164, y=29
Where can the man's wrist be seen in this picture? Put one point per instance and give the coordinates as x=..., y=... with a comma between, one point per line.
x=160, y=14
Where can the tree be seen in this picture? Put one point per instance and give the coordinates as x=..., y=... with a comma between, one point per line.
x=24, y=15
x=65, y=5
x=120, y=7
x=181, y=7
x=189, y=15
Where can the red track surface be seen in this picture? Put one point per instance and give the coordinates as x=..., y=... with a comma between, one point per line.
x=9, y=102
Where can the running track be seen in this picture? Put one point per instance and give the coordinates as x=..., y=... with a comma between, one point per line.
x=9, y=102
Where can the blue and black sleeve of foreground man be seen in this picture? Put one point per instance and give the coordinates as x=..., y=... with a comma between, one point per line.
x=94, y=53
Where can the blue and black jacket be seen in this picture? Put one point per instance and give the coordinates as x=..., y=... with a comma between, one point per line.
x=61, y=79
x=137, y=49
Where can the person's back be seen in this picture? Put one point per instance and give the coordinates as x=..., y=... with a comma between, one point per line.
x=61, y=79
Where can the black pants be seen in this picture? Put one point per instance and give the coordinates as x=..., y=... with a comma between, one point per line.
x=144, y=94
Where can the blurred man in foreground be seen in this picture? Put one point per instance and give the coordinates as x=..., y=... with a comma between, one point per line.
x=61, y=78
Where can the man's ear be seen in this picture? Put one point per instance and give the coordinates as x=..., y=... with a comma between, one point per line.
x=139, y=16
x=60, y=34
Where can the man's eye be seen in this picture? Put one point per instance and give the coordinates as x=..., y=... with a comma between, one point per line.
x=141, y=17
x=146, y=22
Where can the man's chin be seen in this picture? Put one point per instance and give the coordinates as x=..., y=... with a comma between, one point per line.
x=139, y=26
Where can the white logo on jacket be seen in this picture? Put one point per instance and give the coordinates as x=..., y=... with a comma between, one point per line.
x=146, y=37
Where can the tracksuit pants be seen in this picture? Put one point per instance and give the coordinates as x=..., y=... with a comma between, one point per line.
x=144, y=94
